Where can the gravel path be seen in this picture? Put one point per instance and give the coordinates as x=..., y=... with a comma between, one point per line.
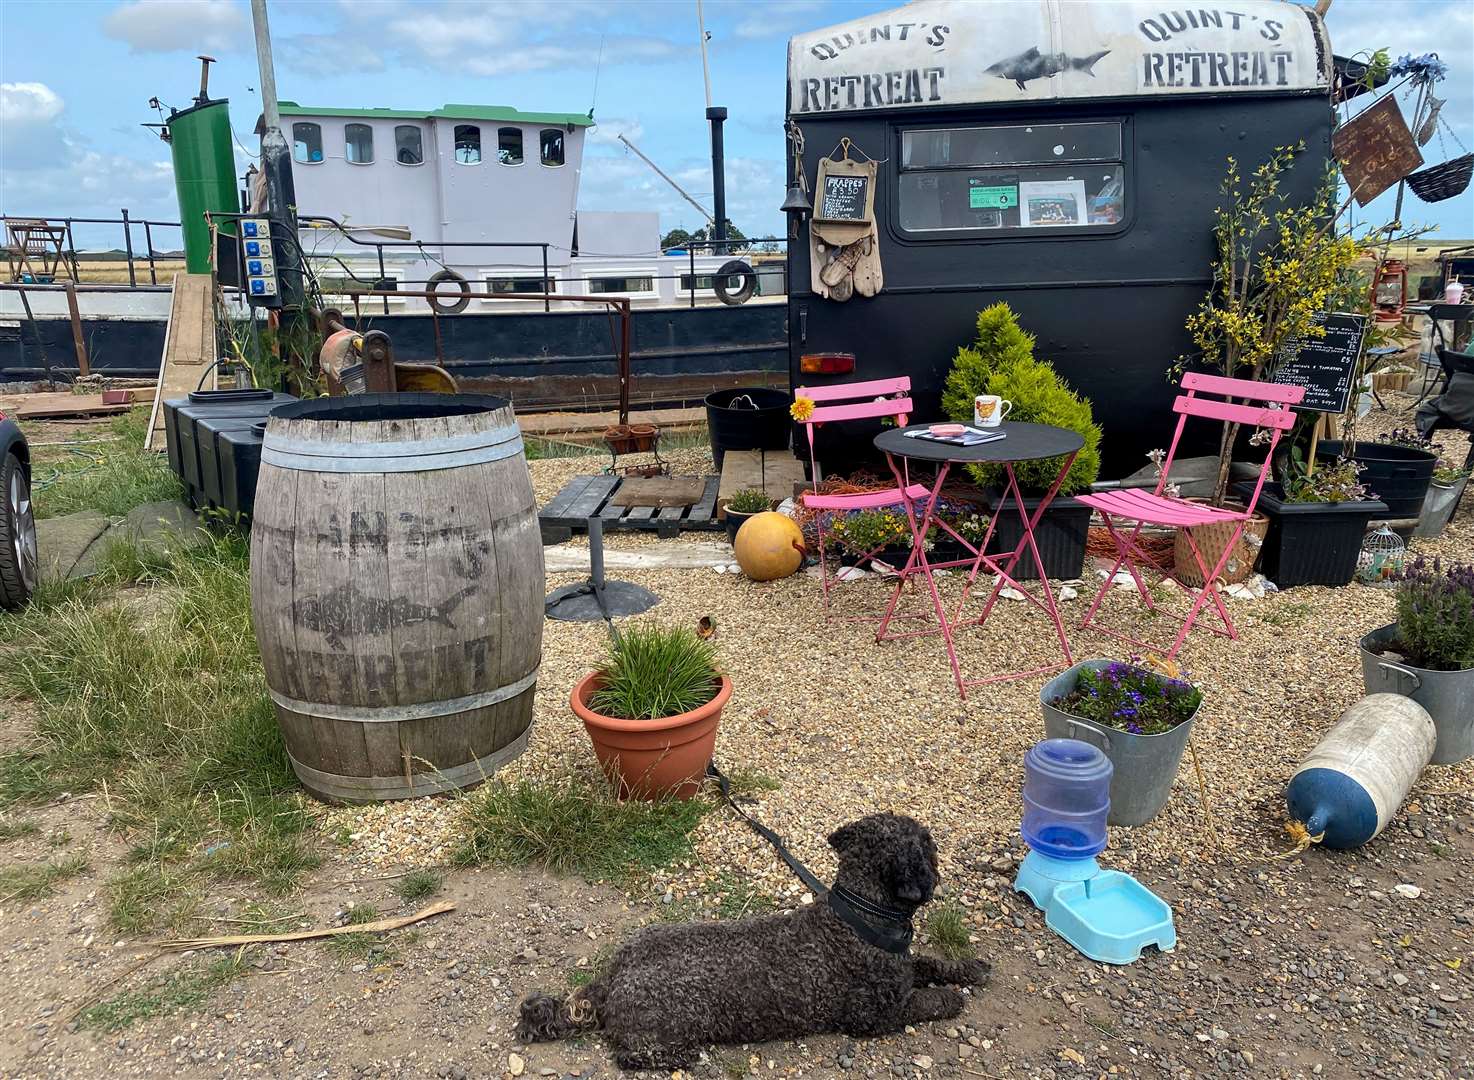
x=1311, y=966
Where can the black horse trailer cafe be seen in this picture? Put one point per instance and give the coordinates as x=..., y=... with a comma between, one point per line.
x=1064, y=157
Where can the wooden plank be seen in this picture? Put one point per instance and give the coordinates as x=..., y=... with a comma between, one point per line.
x=703, y=513
x=772, y=471
x=659, y=491
x=560, y=502
x=593, y=497
x=78, y=405
x=189, y=346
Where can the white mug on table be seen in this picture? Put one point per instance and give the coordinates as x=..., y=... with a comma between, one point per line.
x=988, y=410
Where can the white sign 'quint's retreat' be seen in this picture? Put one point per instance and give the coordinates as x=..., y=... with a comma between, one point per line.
x=935, y=53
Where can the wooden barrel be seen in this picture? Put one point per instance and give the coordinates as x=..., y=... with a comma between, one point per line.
x=397, y=590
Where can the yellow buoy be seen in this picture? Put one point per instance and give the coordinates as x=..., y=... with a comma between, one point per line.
x=769, y=546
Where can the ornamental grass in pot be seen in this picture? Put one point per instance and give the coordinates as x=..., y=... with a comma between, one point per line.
x=1139, y=717
x=1428, y=653
x=742, y=506
x=652, y=708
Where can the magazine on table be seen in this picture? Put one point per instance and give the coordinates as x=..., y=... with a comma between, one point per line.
x=969, y=436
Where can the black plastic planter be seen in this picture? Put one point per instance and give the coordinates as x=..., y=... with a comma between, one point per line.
x=739, y=427
x=1060, y=536
x=1398, y=475
x=1311, y=543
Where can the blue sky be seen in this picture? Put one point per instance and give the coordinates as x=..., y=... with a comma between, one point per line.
x=77, y=77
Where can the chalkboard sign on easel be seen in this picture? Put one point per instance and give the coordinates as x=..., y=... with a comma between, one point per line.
x=844, y=198
x=1325, y=366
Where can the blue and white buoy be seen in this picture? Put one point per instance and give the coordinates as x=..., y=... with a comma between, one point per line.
x=1347, y=788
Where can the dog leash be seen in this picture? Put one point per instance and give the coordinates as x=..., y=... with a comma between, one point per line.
x=850, y=907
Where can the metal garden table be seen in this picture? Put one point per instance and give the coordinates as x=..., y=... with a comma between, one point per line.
x=1021, y=442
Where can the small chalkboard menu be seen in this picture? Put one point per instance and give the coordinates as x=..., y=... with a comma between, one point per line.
x=1325, y=366
x=844, y=198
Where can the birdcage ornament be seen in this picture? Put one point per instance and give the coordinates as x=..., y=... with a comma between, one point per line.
x=1381, y=558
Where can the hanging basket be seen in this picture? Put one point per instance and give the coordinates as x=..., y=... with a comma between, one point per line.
x=1443, y=181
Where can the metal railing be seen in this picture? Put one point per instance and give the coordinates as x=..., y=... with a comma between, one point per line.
x=70, y=254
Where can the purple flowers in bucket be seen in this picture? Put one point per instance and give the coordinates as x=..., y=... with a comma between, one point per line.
x=1130, y=698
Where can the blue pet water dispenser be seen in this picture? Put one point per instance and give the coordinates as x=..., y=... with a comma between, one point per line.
x=1109, y=916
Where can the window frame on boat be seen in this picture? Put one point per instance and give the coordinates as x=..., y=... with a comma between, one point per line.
x=608, y=273
x=349, y=142
x=542, y=153
x=399, y=148
x=464, y=131
x=501, y=133
x=1010, y=174
x=316, y=129
x=366, y=272
x=490, y=278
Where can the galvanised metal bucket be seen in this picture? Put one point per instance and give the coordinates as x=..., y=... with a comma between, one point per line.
x=1447, y=695
x=1438, y=507
x=1145, y=765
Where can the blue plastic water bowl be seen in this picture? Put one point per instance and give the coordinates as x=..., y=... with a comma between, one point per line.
x=1105, y=914
x=1111, y=917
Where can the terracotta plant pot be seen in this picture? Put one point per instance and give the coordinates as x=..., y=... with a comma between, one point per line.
x=651, y=759
x=1211, y=540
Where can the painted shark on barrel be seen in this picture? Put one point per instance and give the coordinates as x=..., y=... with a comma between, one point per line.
x=345, y=611
x=1032, y=64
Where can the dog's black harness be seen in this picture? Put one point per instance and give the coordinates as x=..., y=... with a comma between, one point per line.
x=850, y=907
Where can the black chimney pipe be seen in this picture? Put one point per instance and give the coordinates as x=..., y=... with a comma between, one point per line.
x=717, y=114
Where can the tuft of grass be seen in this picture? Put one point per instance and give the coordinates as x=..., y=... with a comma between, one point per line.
x=746, y=782
x=171, y=710
x=946, y=930
x=177, y=992
x=538, y=449
x=32, y=881
x=15, y=828
x=1286, y=614
x=575, y=827
x=111, y=476
x=739, y=898
x=655, y=671
x=418, y=885
x=359, y=946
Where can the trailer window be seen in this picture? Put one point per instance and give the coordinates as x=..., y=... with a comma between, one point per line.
x=509, y=146
x=409, y=146
x=358, y=143
x=307, y=143
x=1012, y=177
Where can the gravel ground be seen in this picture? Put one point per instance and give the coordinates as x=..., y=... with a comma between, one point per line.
x=1316, y=965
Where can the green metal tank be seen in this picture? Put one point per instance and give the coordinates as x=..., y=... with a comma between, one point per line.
x=204, y=175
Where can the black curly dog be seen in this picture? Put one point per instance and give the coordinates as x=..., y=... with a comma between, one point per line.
x=671, y=990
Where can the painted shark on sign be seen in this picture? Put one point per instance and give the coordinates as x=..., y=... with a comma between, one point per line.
x=949, y=53
x=1032, y=64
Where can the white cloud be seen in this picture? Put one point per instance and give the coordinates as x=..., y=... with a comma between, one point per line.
x=487, y=38
x=149, y=26
x=29, y=103
x=609, y=128
x=778, y=19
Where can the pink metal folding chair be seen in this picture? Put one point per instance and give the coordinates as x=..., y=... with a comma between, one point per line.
x=839, y=404
x=1156, y=508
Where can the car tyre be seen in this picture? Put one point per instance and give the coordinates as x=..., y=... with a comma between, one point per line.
x=19, y=565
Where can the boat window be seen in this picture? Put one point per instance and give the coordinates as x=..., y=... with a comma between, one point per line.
x=509, y=146
x=358, y=143
x=552, y=146
x=345, y=283
x=521, y=285
x=622, y=284
x=409, y=145
x=307, y=142
x=468, y=144
x=703, y=281
x=1008, y=178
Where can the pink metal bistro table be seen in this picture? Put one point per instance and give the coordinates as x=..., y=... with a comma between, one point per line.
x=1021, y=442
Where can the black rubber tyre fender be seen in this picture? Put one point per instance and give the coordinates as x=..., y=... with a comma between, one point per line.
x=440, y=305
x=743, y=293
x=14, y=589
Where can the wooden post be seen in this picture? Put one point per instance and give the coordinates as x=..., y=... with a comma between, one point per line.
x=1320, y=422
x=83, y=368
